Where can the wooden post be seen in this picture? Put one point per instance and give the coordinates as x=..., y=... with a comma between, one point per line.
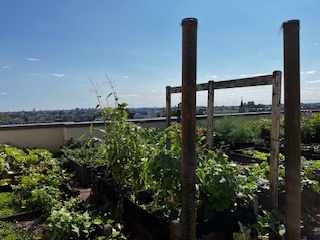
x=274, y=143
x=175, y=230
x=106, y=230
x=168, y=113
x=188, y=189
x=210, y=115
x=292, y=128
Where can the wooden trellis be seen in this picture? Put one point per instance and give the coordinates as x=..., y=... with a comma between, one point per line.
x=272, y=79
x=292, y=125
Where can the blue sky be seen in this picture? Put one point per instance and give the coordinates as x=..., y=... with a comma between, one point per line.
x=50, y=49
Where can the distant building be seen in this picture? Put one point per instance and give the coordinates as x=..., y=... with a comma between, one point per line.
x=251, y=104
x=242, y=107
x=201, y=110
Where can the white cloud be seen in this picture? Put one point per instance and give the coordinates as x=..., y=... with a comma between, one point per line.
x=3, y=93
x=33, y=59
x=308, y=72
x=126, y=77
x=259, y=74
x=316, y=44
x=6, y=67
x=316, y=81
x=212, y=76
x=58, y=75
x=34, y=74
x=244, y=75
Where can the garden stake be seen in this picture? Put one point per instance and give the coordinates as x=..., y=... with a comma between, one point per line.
x=292, y=128
x=188, y=189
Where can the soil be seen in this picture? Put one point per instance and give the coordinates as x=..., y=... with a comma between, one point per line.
x=31, y=228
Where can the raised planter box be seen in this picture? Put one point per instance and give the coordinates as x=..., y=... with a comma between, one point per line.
x=23, y=216
x=143, y=223
x=137, y=220
x=149, y=227
x=86, y=174
x=309, y=198
x=238, y=156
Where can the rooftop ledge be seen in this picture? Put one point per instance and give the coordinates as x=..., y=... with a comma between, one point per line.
x=52, y=136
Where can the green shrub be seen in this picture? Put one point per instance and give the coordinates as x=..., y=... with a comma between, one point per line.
x=231, y=129
x=310, y=128
x=90, y=152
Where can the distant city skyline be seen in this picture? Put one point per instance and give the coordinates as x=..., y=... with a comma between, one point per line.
x=50, y=50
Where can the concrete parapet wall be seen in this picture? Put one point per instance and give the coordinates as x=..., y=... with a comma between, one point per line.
x=53, y=136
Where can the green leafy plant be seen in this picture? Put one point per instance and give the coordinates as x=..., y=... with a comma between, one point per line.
x=71, y=222
x=37, y=175
x=85, y=152
x=270, y=225
x=221, y=185
x=8, y=205
x=308, y=170
x=66, y=224
x=310, y=127
x=8, y=232
x=260, y=155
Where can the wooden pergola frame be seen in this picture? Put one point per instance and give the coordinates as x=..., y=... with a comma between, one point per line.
x=272, y=79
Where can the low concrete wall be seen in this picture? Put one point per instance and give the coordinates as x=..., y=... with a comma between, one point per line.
x=53, y=136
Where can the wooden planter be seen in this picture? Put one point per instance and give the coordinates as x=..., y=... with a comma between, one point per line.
x=143, y=223
x=86, y=174
x=237, y=156
x=137, y=220
x=23, y=216
x=149, y=227
x=309, y=198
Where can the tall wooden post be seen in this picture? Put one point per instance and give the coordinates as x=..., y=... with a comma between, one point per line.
x=274, y=142
x=189, y=63
x=210, y=115
x=168, y=113
x=292, y=128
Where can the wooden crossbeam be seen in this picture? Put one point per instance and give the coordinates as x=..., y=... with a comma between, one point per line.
x=235, y=83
